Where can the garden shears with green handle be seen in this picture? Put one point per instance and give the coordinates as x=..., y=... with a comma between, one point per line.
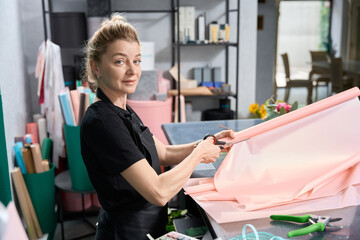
x=318, y=223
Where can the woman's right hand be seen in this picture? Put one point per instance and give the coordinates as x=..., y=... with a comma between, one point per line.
x=207, y=150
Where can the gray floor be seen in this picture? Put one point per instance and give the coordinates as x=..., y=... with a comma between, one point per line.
x=74, y=228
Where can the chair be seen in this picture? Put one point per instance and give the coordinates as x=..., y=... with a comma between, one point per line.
x=319, y=75
x=340, y=82
x=295, y=83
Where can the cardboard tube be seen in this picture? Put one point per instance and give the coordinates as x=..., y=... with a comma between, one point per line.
x=36, y=154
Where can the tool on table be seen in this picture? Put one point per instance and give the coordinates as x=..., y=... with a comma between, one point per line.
x=224, y=144
x=225, y=127
x=318, y=223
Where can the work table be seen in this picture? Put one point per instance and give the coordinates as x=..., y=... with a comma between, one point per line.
x=179, y=133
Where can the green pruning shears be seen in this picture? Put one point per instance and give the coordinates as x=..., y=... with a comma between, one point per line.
x=318, y=223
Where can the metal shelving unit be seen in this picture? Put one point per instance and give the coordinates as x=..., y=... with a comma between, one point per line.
x=176, y=48
x=176, y=45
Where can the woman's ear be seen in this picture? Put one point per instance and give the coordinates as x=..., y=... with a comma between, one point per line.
x=94, y=68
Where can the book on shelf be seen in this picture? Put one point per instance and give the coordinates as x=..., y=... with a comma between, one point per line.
x=186, y=24
x=200, y=28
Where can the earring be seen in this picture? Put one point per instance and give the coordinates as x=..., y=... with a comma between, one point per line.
x=97, y=76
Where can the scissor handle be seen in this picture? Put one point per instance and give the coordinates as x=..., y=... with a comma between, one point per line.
x=216, y=141
x=298, y=219
x=212, y=136
x=317, y=227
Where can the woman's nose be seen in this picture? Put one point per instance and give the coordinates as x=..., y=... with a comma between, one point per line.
x=131, y=68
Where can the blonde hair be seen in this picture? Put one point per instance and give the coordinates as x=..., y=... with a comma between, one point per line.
x=114, y=28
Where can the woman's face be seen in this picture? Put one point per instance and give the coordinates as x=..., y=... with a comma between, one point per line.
x=119, y=67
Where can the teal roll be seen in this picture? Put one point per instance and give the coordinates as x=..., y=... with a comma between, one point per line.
x=5, y=192
x=79, y=177
x=46, y=147
x=41, y=187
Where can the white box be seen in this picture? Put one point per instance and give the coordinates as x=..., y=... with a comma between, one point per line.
x=147, y=50
x=201, y=28
x=190, y=22
x=182, y=26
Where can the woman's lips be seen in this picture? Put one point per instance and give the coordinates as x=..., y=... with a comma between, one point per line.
x=129, y=81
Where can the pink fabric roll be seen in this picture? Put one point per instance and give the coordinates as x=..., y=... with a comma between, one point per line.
x=306, y=158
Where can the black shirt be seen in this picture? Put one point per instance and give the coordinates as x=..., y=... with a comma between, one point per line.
x=108, y=147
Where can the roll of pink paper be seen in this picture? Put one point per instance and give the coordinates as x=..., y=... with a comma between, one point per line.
x=75, y=99
x=32, y=128
x=307, y=155
x=182, y=109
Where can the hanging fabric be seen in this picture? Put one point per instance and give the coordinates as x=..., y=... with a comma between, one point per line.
x=50, y=82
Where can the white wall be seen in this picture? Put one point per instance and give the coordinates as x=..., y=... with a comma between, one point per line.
x=266, y=40
x=247, y=51
x=13, y=84
x=339, y=27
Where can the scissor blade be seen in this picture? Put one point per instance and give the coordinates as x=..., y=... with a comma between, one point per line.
x=230, y=143
x=335, y=219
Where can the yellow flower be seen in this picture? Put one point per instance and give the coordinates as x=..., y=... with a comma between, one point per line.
x=262, y=111
x=253, y=108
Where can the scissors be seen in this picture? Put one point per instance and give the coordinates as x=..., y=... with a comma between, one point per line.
x=223, y=144
x=318, y=223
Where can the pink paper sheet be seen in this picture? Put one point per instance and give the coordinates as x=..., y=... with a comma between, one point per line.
x=290, y=162
x=14, y=228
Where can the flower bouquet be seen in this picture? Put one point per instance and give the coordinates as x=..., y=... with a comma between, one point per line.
x=271, y=109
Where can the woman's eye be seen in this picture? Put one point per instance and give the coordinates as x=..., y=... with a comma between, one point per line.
x=119, y=62
x=137, y=61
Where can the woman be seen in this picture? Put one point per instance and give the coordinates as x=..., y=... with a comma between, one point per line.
x=121, y=155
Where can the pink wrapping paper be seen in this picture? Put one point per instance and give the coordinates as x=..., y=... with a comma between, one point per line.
x=292, y=162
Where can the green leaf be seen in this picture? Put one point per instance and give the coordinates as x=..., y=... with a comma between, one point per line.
x=184, y=212
x=270, y=115
x=282, y=111
x=294, y=106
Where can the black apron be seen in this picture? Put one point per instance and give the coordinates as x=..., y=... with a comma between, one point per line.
x=134, y=224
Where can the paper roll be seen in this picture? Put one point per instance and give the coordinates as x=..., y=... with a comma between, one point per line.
x=27, y=208
x=33, y=129
x=46, y=148
x=84, y=104
x=27, y=138
x=18, y=139
x=75, y=99
x=182, y=106
x=46, y=165
x=36, y=154
x=28, y=160
x=36, y=117
x=42, y=130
